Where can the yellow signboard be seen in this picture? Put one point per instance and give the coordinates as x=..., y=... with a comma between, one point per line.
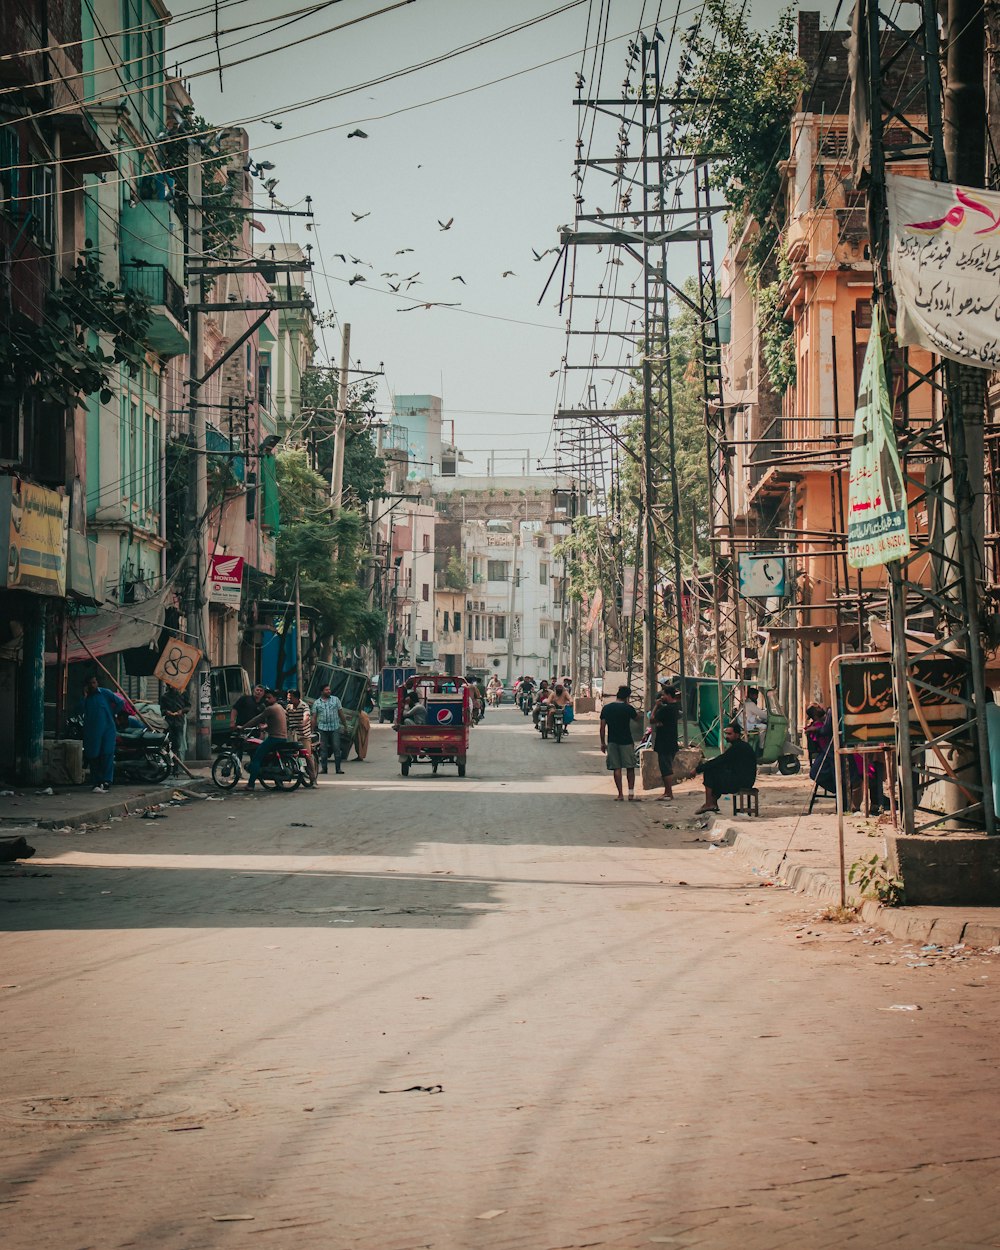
x=36, y=522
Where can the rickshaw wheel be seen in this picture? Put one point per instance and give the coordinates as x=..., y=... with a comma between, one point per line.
x=434, y=768
x=404, y=768
x=461, y=768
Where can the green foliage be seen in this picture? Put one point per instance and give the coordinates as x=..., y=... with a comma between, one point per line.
x=455, y=577
x=586, y=551
x=364, y=468
x=222, y=219
x=874, y=880
x=750, y=82
x=307, y=543
x=54, y=362
x=777, y=338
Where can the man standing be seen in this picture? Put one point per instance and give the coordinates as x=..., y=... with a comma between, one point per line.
x=329, y=723
x=276, y=726
x=665, y=744
x=99, y=708
x=247, y=706
x=616, y=740
x=735, y=769
x=175, y=705
x=298, y=723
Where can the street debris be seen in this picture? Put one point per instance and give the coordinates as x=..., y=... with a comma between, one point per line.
x=47, y=791
x=152, y=814
x=14, y=848
x=415, y=1089
x=299, y=824
x=491, y=1215
x=902, y=1007
x=188, y=1128
x=232, y=1219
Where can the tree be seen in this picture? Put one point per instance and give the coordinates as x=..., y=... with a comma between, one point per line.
x=748, y=85
x=364, y=468
x=305, y=548
x=455, y=577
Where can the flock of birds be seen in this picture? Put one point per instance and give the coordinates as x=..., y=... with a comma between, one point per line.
x=413, y=279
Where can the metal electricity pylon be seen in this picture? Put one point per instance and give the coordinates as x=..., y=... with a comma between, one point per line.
x=660, y=202
x=935, y=592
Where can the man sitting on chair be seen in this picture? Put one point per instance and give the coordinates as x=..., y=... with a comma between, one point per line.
x=735, y=769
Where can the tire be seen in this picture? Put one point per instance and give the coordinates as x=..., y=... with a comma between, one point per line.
x=226, y=770
x=434, y=768
x=789, y=765
x=404, y=768
x=557, y=733
x=545, y=731
x=461, y=768
x=156, y=767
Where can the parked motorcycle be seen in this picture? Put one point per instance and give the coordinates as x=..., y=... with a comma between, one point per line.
x=140, y=754
x=285, y=768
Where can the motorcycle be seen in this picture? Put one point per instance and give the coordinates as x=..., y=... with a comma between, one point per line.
x=285, y=768
x=526, y=700
x=140, y=754
x=494, y=695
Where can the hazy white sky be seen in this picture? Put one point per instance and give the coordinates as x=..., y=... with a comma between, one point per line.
x=441, y=144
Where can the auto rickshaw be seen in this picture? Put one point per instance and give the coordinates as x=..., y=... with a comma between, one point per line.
x=772, y=744
x=441, y=734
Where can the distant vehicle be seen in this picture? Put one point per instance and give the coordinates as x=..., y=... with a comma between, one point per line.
x=391, y=678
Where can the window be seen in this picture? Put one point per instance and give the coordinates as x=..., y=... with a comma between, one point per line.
x=456, y=621
x=10, y=158
x=500, y=628
x=543, y=629
x=427, y=542
x=42, y=204
x=423, y=636
x=497, y=570
x=425, y=592
x=543, y=574
x=444, y=623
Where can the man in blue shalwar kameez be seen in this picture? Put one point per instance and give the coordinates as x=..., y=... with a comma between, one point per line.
x=99, y=709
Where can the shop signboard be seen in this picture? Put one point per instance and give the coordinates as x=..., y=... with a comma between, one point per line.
x=177, y=664
x=225, y=580
x=868, y=701
x=35, y=521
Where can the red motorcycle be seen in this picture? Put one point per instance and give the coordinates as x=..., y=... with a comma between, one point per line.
x=286, y=767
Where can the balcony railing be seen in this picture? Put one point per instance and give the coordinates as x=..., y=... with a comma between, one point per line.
x=155, y=282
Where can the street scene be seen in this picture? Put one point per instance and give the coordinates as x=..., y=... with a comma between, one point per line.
x=499, y=624
x=505, y=1012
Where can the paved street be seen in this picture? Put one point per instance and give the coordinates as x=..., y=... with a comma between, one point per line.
x=213, y=1025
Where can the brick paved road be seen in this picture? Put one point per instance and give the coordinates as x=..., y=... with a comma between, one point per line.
x=638, y=1043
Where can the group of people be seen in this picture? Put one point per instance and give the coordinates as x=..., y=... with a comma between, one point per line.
x=285, y=716
x=733, y=770
x=862, y=772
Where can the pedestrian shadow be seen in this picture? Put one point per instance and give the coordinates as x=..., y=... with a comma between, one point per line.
x=78, y=897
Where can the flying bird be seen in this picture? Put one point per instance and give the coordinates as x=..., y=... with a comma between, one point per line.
x=360, y=216
x=402, y=251
x=539, y=255
x=356, y=260
x=388, y=275
x=445, y=225
x=508, y=273
x=357, y=134
x=413, y=277
x=394, y=286
x=267, y=122
x=436, y=304
x=458, y=278
x=357, y=278
x=340, y=256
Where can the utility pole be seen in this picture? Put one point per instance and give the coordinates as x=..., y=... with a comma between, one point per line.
x=340, y=426
x=510, y=619
x=198, y=620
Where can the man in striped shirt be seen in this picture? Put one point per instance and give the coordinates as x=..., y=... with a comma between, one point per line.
x=300, y=726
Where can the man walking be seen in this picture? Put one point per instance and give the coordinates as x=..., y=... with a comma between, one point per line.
x=665, y=744
x=276, y=726
x=329, y=723
x=99, y=709
x=616, y=740
x=175, y=705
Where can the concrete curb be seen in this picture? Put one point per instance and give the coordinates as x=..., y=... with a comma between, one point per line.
x=127, y=807
x=947, y=927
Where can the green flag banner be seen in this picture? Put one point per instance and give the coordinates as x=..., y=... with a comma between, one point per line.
x=877, y=531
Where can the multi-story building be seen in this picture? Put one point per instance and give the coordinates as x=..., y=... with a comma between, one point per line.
x=792, y=450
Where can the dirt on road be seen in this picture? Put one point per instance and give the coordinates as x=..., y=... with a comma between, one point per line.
x=500, y=1012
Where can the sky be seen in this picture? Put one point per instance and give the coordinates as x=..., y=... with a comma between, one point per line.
x=445, y=143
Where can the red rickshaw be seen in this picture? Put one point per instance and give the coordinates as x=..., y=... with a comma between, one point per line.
x=433, y=717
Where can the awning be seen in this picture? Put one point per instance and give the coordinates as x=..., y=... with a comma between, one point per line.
x=118, y=628
x=814, y=633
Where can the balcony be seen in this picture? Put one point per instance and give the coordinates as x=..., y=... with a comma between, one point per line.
x=791, y=446
x=167, y=332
